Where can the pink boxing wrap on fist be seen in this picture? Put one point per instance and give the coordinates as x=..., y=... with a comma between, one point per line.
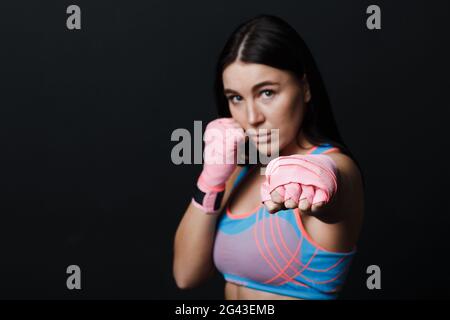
x=293, y=172
x=221, y=137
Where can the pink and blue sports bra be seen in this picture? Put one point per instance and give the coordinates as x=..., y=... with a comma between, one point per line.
x=274, y=253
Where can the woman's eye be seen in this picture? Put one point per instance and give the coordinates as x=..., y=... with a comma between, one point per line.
x=268, y=91
x=236, y=99
x=232, y=97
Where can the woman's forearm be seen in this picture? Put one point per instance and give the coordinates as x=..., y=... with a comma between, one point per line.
x=194, y=240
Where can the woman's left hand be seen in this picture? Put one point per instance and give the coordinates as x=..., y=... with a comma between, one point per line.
x=308, y=182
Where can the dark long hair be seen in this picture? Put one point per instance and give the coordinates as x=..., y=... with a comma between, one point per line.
x=269, y=40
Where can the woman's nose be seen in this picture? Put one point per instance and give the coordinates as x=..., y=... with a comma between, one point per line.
x=254, y=115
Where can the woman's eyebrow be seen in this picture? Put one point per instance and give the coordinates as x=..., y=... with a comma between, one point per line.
x=256, y=86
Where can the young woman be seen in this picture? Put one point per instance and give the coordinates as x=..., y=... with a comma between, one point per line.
x=290, y=233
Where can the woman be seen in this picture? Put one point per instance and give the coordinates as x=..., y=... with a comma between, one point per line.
x=291, y=233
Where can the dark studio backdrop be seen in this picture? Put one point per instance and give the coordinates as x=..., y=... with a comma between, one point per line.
x=86, y=118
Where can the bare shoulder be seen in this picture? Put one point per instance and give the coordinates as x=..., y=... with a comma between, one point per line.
x=350, y=193
x=349, y=174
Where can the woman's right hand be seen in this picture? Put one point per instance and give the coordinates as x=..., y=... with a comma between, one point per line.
x=222, y=137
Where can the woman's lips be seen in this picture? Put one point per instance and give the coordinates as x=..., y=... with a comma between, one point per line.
x=261, y=138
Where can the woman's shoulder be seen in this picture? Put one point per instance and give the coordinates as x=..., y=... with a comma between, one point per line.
x=345, y=217
x=347, y=167
x=350, y=192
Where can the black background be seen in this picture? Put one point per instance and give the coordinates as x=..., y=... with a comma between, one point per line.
x=86, y=118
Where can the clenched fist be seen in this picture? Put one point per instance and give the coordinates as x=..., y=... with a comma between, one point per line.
x=221, y=137
x=307, y=181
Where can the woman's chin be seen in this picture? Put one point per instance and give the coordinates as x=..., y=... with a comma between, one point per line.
x=267, y=148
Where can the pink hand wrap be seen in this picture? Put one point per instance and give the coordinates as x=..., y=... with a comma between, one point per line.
x=221, y=139
x=301, y=176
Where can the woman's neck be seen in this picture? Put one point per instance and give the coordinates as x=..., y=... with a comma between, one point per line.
x=301, y=145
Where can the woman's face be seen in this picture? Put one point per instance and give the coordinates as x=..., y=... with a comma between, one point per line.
x=262, y=97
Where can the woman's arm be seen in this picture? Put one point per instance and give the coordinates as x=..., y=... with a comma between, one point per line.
x=194, y=240
x=349, y=192
x=336, y=225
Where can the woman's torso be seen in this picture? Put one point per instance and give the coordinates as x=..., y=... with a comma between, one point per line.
x=245, y=201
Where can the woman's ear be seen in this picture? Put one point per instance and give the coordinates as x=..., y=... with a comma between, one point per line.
x=306, y=89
